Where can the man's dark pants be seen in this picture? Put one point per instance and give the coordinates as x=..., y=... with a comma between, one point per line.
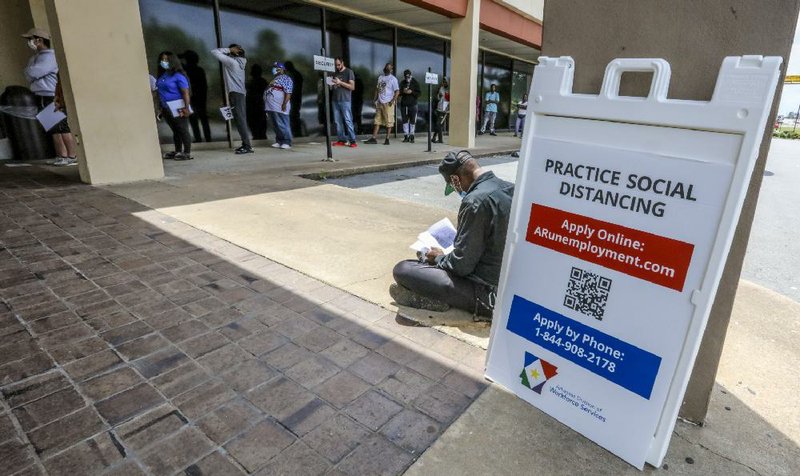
x=438, y=284
x=239, y=106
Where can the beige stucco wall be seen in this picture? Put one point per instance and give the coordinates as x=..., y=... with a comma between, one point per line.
x=39, y=14
x=101, y=56
x=463, y=87
x=15, y=19
x=533, y=9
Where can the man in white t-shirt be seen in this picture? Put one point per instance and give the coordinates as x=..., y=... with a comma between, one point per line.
x=386, y=94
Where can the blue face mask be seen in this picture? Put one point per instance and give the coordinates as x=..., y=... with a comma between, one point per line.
x=274, y=71
x=164, y=64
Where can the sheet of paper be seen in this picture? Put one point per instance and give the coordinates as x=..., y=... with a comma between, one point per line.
x=49, y=117
x=441, y=234
x=175, y=106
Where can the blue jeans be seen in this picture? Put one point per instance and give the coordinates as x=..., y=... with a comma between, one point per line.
x=343, y=117
x=283, y=132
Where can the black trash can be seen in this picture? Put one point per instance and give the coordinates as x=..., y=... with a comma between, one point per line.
x=28, y=139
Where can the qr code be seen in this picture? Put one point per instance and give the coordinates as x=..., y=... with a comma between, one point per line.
x=587, y=293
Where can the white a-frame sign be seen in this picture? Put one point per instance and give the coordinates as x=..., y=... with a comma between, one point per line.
x=623, y=215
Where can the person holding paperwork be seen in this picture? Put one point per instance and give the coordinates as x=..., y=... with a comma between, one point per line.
x=42, y=75
x=467, y=277
x=173, y=94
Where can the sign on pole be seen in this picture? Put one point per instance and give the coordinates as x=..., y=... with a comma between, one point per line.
x=323, y=63
x=431, y=78
x=623, y=215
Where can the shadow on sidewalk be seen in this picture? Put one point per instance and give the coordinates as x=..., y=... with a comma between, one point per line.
x=132, y=342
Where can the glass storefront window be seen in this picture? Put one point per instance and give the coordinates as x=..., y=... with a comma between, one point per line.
x=418, y=53
x=267, y=35
x=182, y=27
x=497, y=70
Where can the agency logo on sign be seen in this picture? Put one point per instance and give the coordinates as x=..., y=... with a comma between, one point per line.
x=536, y=372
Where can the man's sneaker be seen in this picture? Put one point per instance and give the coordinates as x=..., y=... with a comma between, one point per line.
x=71, y=161
x=170, y=155
x=182, y=156
x=405, y=138
x=244, y=150
x=276, y=145
x=340, y=143
x=371, y=140
x=60, y=162
x=492, y=133
x=328, y=159
x=407, y=297
x=353, y=145
x=386, y=142
x=480, y=133
x=286, y=146
x=411, y=139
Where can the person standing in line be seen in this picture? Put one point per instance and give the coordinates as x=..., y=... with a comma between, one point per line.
x=442, y=108
x=492, y=99
x=233, y=64
x=277, y=103
x=199, y=94
x=386, y=94
x=256, y=118
x=343, y=84
x=173, y=85
x=42, y=76
x=409, y=93
x=522, y=111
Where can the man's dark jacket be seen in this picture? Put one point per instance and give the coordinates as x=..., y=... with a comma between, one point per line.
x=481, y=231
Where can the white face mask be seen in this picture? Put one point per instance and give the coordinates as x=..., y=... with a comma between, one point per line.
x=32, y=44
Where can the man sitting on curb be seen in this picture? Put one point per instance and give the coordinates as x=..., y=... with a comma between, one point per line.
x=467, y=277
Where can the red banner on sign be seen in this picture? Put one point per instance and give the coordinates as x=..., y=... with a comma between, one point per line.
x=654, y=258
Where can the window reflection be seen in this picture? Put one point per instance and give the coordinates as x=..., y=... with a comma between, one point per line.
x=179, y=27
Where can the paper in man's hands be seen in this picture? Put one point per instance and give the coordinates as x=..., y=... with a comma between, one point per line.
x=441, y=234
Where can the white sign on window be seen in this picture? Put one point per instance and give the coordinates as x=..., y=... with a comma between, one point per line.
x=323, y=63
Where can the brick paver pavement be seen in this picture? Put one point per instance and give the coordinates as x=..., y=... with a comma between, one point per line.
x=134, y=344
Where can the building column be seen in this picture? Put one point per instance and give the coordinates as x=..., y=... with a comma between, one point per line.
x=463, y=86
x=101, y=58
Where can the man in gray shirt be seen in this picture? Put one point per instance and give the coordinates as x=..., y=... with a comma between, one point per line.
x=467, y=277
x=343, y=83
x=233, y=63
x=42, y=75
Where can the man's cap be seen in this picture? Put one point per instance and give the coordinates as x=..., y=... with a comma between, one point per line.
x=450, y=165
x=278, y=64
x=37, y=33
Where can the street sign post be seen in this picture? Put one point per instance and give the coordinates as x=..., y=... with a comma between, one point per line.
x=430, y=78
x=623, y=215
x=325, y=64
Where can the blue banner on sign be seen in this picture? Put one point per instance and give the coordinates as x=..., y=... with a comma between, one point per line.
x=617, y=361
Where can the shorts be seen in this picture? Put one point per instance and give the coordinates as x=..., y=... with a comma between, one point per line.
x=60, y=128
x=384, y=114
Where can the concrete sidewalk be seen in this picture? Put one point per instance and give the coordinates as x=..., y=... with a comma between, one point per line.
x=350, y=239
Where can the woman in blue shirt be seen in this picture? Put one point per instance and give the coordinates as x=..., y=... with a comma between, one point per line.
x=173, y=85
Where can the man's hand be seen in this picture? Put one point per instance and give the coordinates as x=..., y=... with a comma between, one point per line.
x=184, y=112
x=430, y=256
